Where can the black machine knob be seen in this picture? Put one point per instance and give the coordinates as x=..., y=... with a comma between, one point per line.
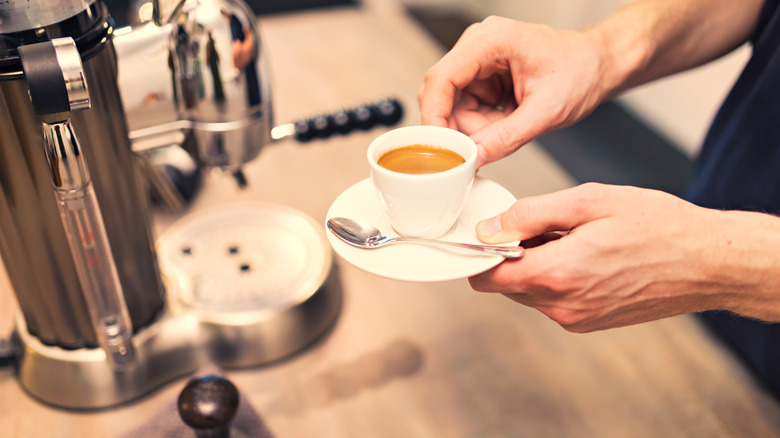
x=387, y=112
x=208, y=404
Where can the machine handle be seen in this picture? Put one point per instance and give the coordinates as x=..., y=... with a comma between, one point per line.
x=387, y=111
x=57, y=86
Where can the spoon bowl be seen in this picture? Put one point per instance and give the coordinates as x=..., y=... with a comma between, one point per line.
x=366, y=236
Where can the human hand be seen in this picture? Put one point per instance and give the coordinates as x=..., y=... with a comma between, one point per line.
x=630, y=255
x=243, y=53
x=506, y=82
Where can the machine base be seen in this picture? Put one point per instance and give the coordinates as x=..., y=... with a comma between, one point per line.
x=172, y=347
x=84, y=379
x=229, y=317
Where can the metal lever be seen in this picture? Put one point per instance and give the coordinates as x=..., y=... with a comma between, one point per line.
x=55, y=78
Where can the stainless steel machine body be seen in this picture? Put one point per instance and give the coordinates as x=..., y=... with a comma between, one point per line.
x=214, y=102
x=200, y=80
x=34, y=245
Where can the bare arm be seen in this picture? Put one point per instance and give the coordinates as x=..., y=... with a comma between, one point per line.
x=626, y=255
x=507, y=82
x=633, y=255
x=649, y=39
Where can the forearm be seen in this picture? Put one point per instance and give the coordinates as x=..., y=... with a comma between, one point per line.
x=743, y=264
x=649, y=39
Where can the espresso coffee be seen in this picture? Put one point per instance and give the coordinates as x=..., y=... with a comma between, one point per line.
x=420, y=159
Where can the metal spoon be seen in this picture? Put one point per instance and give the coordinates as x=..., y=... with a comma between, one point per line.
x=365, y=236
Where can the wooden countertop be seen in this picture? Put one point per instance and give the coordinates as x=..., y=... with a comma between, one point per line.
x=478, y=365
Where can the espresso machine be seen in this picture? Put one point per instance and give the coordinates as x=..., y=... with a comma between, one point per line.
x=107, y=313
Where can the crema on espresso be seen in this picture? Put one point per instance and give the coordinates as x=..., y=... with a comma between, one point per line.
x=420, y=159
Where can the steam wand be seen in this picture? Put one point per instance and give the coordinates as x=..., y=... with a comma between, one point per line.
x=55, y=78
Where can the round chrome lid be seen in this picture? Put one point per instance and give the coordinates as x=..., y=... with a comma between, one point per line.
x=259, y=277
x=244, y=257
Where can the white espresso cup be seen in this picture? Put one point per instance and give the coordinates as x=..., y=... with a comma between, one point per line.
x=423, y=205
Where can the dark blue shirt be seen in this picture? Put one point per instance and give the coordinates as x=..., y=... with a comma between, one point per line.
x=739, y=169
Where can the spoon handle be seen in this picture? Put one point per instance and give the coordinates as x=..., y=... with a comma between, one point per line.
x=509, y=252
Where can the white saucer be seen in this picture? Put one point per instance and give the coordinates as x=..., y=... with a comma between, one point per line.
x=413, y=262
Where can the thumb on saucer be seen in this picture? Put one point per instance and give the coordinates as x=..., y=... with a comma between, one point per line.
x=535, y=215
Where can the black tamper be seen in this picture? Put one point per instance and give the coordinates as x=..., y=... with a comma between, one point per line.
x=208, y=404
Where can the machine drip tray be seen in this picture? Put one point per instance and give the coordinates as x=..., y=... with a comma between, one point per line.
x=259, y=277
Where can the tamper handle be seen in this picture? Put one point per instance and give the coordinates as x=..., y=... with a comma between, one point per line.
x=208, y=404
x=387, y=112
